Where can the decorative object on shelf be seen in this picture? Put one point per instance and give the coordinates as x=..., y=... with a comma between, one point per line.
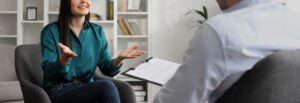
x=203, y=14
x=0, y=32
x=123, y=6
x=31, y=13
x=134, y=5
x=95, y=16
x=136, y=29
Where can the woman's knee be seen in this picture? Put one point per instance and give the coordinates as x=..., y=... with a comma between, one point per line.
x=108, y=84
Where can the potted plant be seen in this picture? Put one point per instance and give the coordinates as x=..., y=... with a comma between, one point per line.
x=203, y=14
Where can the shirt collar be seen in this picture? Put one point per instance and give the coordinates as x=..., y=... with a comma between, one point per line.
x=247, y=3
x=86, y=24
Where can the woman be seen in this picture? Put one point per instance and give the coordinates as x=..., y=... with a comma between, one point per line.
x=72, y=47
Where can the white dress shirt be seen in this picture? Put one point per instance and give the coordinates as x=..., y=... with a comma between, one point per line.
x=227, y=46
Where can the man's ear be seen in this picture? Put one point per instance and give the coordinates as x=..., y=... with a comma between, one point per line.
x=222, y=4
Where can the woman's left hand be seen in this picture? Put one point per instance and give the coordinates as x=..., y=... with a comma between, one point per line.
x=131, y=53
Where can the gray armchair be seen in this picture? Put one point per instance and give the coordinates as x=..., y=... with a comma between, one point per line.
x=275, y=79
x=30, y=74
x=10, y=90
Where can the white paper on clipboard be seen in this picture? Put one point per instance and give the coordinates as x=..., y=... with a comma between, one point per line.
x=154, y=70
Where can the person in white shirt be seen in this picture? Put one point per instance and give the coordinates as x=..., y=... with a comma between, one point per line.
x=228, y=45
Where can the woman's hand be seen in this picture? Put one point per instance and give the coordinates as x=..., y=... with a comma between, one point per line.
x=129, y=53
x=67, y=54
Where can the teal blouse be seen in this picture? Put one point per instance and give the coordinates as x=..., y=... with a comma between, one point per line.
x=92, y=50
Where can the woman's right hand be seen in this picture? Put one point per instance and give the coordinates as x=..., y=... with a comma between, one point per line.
x=67, y=54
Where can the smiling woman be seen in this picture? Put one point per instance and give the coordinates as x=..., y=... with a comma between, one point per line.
x=72, y=48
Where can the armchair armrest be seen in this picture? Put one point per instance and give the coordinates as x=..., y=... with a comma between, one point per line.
x=33, y=93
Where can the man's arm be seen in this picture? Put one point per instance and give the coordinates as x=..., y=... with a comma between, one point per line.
x=202, y=71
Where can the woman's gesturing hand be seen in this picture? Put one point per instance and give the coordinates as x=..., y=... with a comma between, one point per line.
x=131, y=53
x=67, y=54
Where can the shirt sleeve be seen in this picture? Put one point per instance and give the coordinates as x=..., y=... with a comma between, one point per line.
x=201, y=73
x=50, y=56
x=105, y=62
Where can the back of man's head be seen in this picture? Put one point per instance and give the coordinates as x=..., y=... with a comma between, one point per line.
x=225, y=4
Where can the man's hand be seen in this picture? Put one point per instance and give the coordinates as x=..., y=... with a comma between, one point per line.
x=67, y=54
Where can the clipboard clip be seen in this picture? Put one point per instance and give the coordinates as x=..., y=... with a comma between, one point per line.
x=147, y=60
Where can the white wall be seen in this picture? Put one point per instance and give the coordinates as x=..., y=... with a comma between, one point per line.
x=172, y=30
x=294, y=4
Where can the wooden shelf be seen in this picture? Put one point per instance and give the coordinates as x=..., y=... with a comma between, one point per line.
x=103, y=22
x=8, y=36
x=136, y=15
x=32, y=22
x=8, y=12
x=133, y=13
x=53, y=12
x=132, y=36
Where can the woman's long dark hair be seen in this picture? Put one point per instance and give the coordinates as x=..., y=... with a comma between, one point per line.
x=63, y=22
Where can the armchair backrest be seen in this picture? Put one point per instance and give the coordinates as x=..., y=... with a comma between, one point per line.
x=28, y=63
x=275, y=79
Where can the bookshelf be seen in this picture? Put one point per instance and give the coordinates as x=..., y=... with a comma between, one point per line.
x=8, y=23
x=18, y=30
x=140, y=18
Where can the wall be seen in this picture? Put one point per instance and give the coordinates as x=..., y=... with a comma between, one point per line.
x=294, y=4
x=172, y=30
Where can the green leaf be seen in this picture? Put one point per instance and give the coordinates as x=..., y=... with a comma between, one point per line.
x=205, y=13
x=198, y=12
x=200, y=21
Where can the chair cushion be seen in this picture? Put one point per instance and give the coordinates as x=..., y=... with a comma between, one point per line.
x=10, y=91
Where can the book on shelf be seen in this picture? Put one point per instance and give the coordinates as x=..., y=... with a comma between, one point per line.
x=128, y=27
x=137, y=87
x=110, y=10
x=122, y=27
x=140, y=99
x=140, y=93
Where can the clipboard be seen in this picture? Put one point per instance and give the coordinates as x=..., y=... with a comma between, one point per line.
x=153, y=70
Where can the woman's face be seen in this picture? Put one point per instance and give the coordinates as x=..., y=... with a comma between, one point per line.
x=80, y=7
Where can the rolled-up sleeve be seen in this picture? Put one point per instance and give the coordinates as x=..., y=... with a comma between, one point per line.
x=203, y=69
x=50, y=56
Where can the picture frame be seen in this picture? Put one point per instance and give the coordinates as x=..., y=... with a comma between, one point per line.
x=133, y=5
x=31, y=13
